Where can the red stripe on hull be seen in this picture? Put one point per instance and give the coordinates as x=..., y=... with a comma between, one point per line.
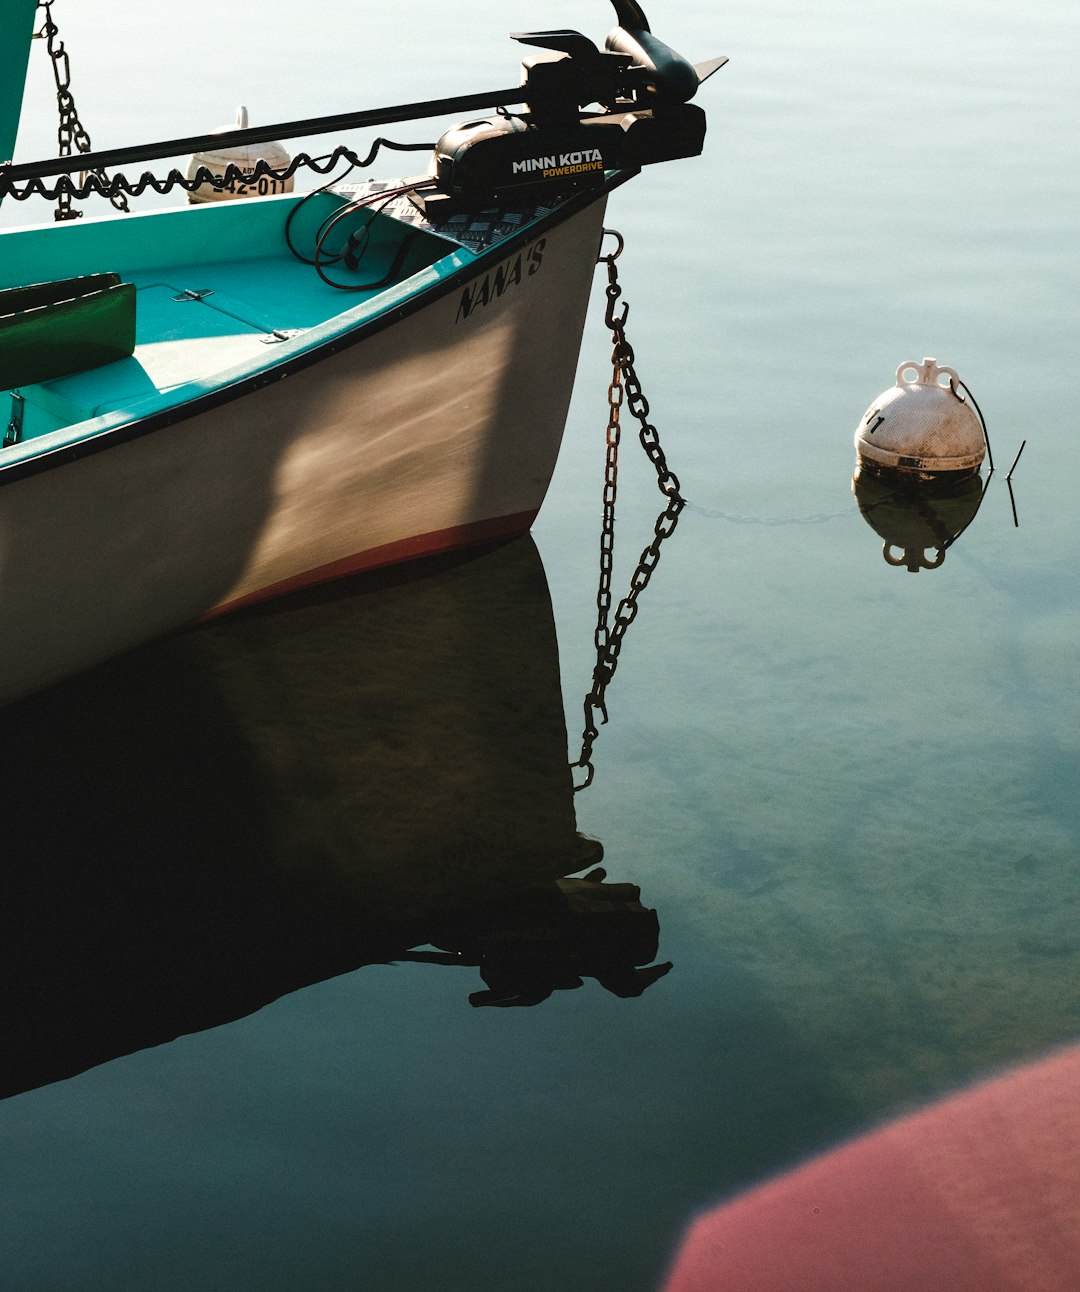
x=406, y=549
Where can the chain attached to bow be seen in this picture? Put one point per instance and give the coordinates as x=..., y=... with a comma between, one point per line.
x=624, y=390
x=70, y=130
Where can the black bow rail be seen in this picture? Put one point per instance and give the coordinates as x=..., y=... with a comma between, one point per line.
x=30, y=174
x=634, y=69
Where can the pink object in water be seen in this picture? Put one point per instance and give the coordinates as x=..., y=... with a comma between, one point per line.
x=980, y=1193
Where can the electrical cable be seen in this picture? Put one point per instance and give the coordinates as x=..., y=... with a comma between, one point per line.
x=357, y=245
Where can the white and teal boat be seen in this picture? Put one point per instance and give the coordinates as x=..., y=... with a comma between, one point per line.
x=217, y=403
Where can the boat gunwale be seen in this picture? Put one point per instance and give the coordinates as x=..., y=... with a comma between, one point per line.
x=137, y=427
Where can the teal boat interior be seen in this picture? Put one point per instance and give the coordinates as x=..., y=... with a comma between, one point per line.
x=217, y=296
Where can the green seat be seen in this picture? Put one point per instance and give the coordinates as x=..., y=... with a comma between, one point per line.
x=50, y=330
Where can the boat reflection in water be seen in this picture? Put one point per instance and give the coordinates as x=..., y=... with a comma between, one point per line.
x=918, y=521
x=288, y=794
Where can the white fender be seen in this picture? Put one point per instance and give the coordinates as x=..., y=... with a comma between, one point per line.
x=246, y=157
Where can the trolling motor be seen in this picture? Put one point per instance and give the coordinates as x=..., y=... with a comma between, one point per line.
x=642, y=86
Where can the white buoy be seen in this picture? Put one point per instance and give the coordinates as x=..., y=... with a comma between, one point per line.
x=925, y=425
x=246, y=157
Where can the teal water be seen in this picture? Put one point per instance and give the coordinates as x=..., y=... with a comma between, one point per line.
x=847, y=790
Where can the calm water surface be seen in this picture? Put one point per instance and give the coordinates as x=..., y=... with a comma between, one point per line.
x=847, y=790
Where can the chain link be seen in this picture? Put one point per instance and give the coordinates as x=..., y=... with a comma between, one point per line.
x=624, y=391
x=70, y=132
x=13, y=434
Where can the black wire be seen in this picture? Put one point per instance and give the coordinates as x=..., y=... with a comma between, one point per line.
x=98, y=184
x=351, y=208
x=978, y=410
x=322, y=227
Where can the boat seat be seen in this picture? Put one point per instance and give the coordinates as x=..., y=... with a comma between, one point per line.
x=49, y=330
x=182, y=336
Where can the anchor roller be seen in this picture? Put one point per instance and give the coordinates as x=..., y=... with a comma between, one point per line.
x=925, y=426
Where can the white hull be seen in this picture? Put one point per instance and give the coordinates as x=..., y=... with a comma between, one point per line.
x=439, y=430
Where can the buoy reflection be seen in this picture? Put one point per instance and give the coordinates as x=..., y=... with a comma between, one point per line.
x=918, y=520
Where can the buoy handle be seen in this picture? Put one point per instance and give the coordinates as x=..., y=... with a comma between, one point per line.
x=913, y=558
x=926, y=373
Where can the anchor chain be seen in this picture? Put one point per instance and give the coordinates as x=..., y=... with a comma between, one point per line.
x=624, y=391
x=70, y=130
